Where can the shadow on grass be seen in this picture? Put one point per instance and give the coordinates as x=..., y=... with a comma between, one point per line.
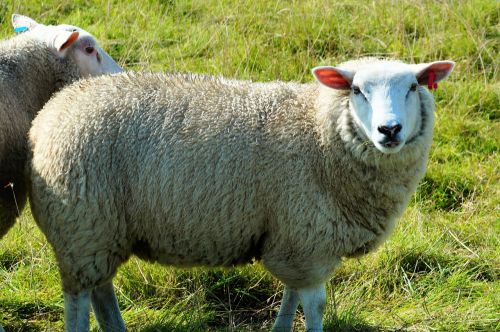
x=163, y=327
x=212, y=321
x=350, y=326
x=10, y=260
x=26, y=310
x=257, y=322
x=337, y=326
x=29, y=316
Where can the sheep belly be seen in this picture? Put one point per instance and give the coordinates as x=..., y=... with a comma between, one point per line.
x=205, y=250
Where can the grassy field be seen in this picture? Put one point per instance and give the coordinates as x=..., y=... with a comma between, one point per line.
x=440, y=269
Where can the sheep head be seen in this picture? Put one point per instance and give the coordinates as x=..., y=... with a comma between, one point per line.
x=385, y=97
x=72, y=42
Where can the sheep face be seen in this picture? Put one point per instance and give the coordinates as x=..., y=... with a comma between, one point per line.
x=386, y=105
x=90, y=57
x=70, y=42
x=385, y=97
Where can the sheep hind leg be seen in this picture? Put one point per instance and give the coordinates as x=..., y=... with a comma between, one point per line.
x=313, y=302
x=76, y=311
x=289, y=304
x=106, y=310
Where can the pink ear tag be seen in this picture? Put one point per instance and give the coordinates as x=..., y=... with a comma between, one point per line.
x=431, y=85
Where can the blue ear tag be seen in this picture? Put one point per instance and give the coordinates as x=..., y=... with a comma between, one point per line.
x=20, y=29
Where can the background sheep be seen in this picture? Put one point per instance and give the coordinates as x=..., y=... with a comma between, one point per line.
x=34, y=65
x=192, y=170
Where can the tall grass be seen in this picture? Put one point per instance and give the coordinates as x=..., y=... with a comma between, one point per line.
x=440, y=269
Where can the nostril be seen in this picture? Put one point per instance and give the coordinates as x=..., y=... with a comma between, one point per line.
x=396, y=129
x=384, y=130
x=390, y=131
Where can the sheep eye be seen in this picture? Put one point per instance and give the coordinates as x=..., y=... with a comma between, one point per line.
x=89, y=49
x=413, y=87
x=356, y=90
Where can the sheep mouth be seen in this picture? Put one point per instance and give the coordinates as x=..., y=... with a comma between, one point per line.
x=391, y=144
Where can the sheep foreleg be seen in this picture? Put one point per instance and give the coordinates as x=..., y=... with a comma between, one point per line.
x=313, y=302
x=106, y=310
x=76, y=311
x=289, y=303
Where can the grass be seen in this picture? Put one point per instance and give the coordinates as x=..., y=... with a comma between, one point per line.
x=440, y=269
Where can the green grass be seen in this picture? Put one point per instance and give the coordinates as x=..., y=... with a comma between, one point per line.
x=441, y=268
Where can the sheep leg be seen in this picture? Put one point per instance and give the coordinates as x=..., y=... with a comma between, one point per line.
x=289, y=303
x=106, y=310
x=76, y=311
x=313, y=302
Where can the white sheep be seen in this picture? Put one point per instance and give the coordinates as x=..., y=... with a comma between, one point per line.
x=192, y=170
x=33, y=65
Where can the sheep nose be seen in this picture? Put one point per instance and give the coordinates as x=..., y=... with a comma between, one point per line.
x=391, y=131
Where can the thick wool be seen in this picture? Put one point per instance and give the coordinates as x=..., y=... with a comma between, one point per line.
x=30, y=73
x=193, y=170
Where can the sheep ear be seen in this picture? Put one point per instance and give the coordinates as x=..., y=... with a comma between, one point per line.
x=22, y=23
x=65, y=39
x=431, y=73
x=333, y=77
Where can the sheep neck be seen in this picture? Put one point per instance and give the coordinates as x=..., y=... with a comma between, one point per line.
x=369, y=188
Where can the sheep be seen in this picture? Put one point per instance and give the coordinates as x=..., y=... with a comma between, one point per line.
x=194, y=170
x=33, y=65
